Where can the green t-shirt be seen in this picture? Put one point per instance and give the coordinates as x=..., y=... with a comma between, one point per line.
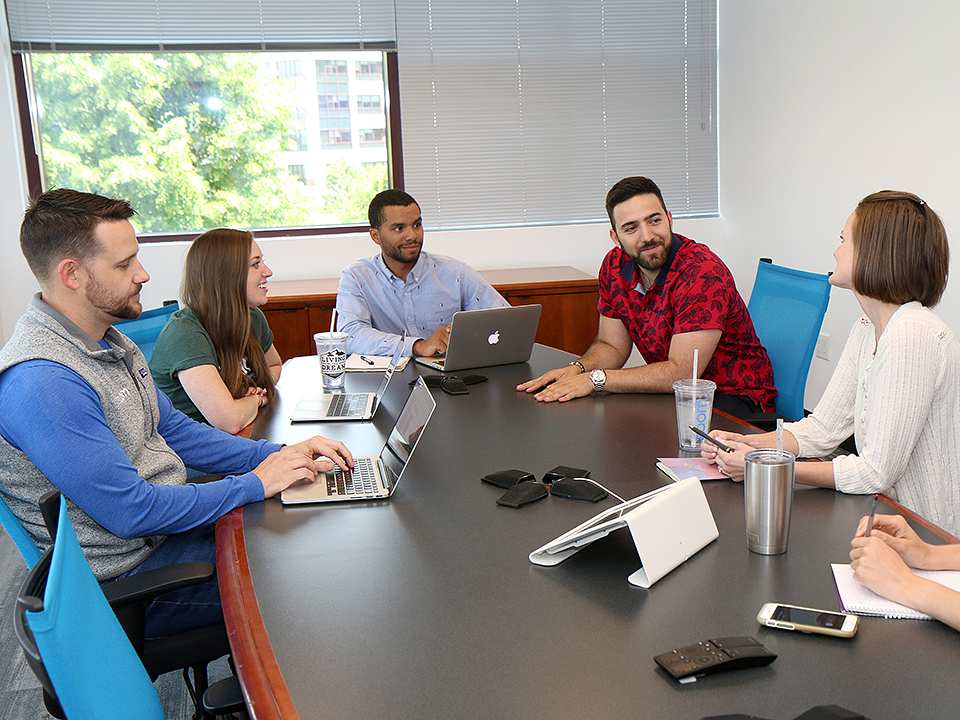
x=183, y=344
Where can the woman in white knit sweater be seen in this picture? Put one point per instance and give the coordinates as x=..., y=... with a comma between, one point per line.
x=897, y=384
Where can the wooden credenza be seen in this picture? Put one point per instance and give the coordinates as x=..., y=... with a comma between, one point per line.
x=296, y=309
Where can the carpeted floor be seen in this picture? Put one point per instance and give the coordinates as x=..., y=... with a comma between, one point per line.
x=20, y=694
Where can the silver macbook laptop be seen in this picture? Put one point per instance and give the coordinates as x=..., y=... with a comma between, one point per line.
x=372, y=476
x=326, y=407
x=479, y=338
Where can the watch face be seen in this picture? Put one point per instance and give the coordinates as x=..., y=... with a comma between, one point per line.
x=599, y=377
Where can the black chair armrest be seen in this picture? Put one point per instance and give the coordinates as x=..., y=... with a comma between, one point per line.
x=143, y=587
x=224, y=697
x=49, y=504
x=140, y=588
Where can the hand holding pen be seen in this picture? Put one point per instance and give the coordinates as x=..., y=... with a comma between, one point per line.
x=712, y=440
x=873, y=514
x=729, y=458
x=895, y=531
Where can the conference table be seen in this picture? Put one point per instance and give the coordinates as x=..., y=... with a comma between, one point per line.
x=427, y=606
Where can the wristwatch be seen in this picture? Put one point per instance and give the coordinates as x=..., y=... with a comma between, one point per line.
x=599, y=379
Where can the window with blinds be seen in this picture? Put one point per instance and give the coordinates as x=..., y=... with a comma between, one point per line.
x=514, y=112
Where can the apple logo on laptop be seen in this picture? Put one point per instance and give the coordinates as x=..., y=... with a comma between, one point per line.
x=493, y=338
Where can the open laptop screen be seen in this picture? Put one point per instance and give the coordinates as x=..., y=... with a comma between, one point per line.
x=407, y=430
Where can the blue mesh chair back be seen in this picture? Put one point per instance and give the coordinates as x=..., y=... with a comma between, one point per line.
x=25, y=544
x=787, y=307
x=145, y=330
x=86, y=655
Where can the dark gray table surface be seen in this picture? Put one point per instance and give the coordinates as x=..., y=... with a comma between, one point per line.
x=427, y=606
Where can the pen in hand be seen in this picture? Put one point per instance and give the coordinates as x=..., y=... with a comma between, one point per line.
x=709, y=439
x=873, y=512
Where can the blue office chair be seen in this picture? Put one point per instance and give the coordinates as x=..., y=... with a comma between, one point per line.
x=145, y=330
x=191, y=650
x=75, y=642
x=75, y=645
x=787, y=307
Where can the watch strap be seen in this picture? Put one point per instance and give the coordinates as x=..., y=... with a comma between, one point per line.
x=599, y=379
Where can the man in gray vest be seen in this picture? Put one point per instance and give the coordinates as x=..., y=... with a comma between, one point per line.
x=80, y=412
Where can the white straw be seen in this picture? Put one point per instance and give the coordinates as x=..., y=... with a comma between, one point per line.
x=333, y=320
x=696, y=352
x=779, y=435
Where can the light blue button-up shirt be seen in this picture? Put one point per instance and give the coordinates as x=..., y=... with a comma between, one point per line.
x=375, y=307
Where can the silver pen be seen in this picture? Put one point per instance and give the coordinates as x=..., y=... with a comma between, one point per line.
x=873, y=512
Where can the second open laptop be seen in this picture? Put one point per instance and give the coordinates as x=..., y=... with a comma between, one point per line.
x=373, y=476
x=327, y=407
x=480, y=338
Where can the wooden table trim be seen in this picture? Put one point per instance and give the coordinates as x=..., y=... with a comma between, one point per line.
x=260, y=678
x=921, y=521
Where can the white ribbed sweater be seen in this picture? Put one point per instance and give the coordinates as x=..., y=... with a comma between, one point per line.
x=902, y=404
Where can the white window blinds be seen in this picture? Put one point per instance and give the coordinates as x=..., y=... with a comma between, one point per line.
x=182, y=25
x=520, y=112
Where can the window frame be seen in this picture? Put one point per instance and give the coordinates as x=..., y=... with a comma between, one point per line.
x=393, y=143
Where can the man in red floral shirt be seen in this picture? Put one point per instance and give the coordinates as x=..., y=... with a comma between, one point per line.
x=668, y=295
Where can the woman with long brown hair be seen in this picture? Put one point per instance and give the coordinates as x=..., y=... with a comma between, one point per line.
x=215, y=358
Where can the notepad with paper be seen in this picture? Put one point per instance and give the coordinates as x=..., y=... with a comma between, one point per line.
x=372, y=363
x=857, y=599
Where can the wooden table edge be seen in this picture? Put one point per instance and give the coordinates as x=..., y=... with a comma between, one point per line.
x=747, y=426
x=260, y=678
x=920, y=520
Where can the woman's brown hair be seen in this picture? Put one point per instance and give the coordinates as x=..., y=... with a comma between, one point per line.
x=902, y=253
x=215, y=288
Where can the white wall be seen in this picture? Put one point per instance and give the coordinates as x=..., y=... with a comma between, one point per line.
x=821, y=103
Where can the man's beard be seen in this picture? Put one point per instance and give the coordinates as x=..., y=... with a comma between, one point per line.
x=115, y=306
x=650, y=262
x=396, y=254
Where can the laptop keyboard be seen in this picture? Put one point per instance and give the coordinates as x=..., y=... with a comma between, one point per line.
x=346, y=405
x=362, y=480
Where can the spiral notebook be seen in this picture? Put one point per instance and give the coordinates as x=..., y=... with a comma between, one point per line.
x=856, y=599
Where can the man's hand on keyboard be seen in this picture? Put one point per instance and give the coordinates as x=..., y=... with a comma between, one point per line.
x=298, y=462
x=332, y=451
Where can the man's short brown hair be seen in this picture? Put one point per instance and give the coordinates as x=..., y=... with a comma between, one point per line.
x=902, y=252
x=61, y=223
x=630, y=187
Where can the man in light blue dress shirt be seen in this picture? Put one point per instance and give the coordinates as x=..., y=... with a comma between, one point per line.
x=403, y=289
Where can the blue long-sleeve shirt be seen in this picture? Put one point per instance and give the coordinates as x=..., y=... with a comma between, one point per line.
x=375, y=307
x=53, y=416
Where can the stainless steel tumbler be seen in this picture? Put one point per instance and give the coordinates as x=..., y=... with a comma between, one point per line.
x=768, y=499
